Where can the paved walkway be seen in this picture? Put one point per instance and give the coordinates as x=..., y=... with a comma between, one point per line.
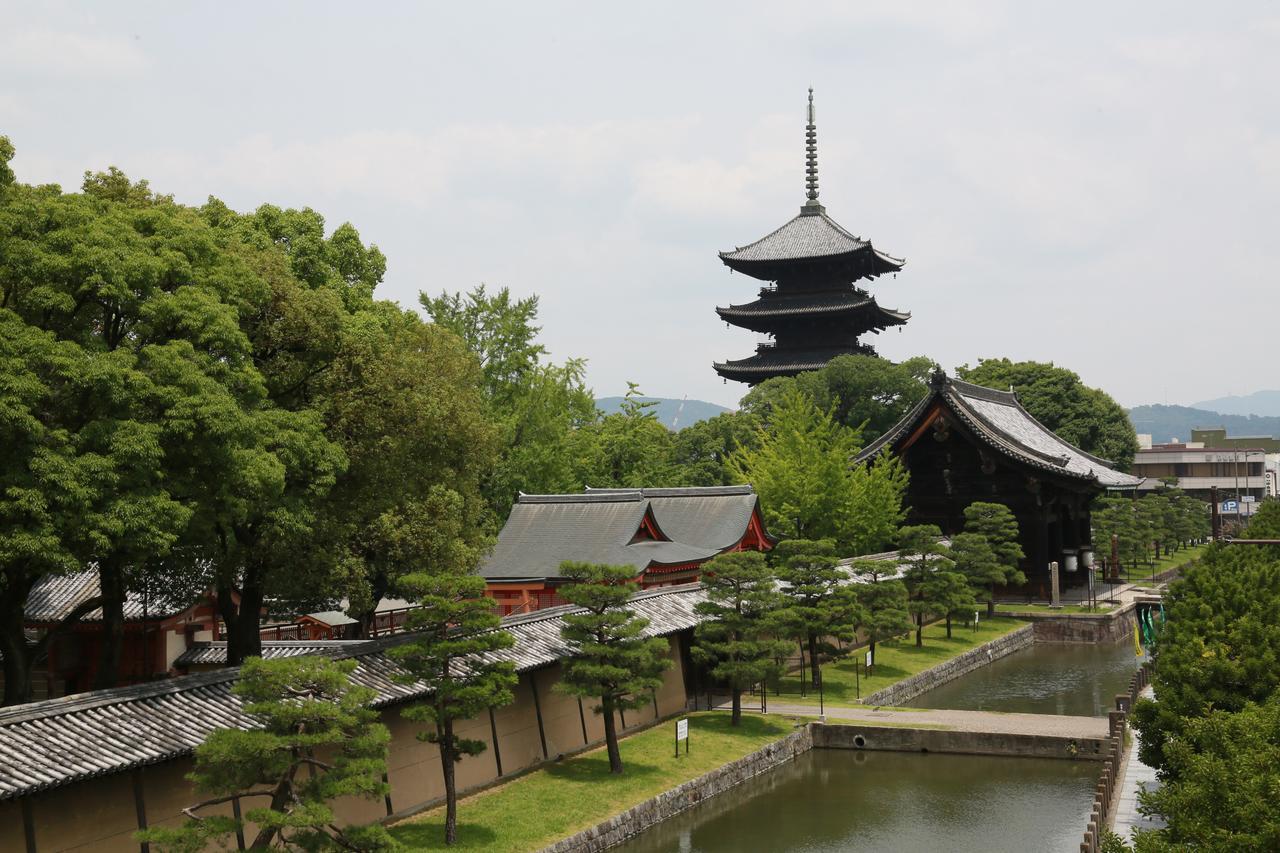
x=967, y=721
x=1137, y=776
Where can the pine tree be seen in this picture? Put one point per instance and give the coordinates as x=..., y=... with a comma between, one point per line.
x=736, y=642
x=820, y=602
x=307, y=707
x=924, y=555
x=455, y=626
x=998, y=526
x=883, y=600
x=950, y=594
x=612, y=659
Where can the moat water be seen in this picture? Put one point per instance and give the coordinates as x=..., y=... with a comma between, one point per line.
x=841, y=800
x=1078, y=680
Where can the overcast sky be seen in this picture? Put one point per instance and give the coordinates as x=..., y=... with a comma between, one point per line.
x=1094, y=184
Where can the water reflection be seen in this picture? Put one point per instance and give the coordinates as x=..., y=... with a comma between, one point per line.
x=1080, y=680
x=834, y=800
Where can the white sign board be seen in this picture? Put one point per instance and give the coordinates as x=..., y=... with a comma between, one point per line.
x=868, y=660
x=682, y=729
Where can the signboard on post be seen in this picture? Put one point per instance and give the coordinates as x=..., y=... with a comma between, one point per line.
x=682, y=734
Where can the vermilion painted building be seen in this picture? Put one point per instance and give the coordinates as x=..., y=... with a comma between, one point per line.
x=665, y=534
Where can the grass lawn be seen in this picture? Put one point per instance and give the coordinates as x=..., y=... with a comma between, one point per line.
x=895, y=660
x=535, y=810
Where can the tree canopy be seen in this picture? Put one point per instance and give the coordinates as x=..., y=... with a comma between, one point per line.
x=1086, y=417
x=862, y=392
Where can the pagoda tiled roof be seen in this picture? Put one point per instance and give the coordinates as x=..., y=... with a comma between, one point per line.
x=811, y=303
x=998, y=420
x=808, y=236
x=776, y=362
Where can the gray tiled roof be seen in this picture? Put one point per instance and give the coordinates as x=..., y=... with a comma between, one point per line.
x=54, y=597
x=714, y=517
x=805, y=236
x=215, y=652
x=998, y=419
x=599, y=525
x=59, y=741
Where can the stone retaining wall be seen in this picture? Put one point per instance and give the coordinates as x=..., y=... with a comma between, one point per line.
x=1081, y=627
x=635, y=820
x=848, y=735
x=908, y=688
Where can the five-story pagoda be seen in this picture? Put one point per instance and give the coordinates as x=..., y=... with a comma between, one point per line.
x=811, y=305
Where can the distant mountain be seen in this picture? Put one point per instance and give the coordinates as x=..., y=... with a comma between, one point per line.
x=1264, y=403
x=674, y=414
x=1166, y=422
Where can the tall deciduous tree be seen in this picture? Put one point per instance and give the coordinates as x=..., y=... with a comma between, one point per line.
x=924, y=556
x=612, y=658
x=736, y=641
x=628, y=449
x=144, y=299
x=452, y=631
x=862, y=392
x=312, y=717
x=1087, y=417
x=701, y=451
x=536, y=404
x=801, y=465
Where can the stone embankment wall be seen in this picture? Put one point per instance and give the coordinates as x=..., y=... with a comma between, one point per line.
x=619, y=828
x=1081, y=627
x=908, y=688
x=850, y=736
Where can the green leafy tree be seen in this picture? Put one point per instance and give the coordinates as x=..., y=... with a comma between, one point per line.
x=612, y=658
x=996, y=524
x=537, y=405
x=736, y=642
x=153, y=369
x=876, y=507
x=821, y=605
x=403, y=400
x=884, y=601
x=924, y=556
x=1222, y=778
x=626, y=449
x=1086, y=417
x=862, y=392
x=1220, y=646
x=800, y=467
x=701, y=451
x=453, y=631
x=312, y=717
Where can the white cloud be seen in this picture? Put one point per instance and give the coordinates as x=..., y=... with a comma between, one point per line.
x=62, y=53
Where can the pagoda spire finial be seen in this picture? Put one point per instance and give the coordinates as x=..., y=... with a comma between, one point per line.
x=811, y=162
